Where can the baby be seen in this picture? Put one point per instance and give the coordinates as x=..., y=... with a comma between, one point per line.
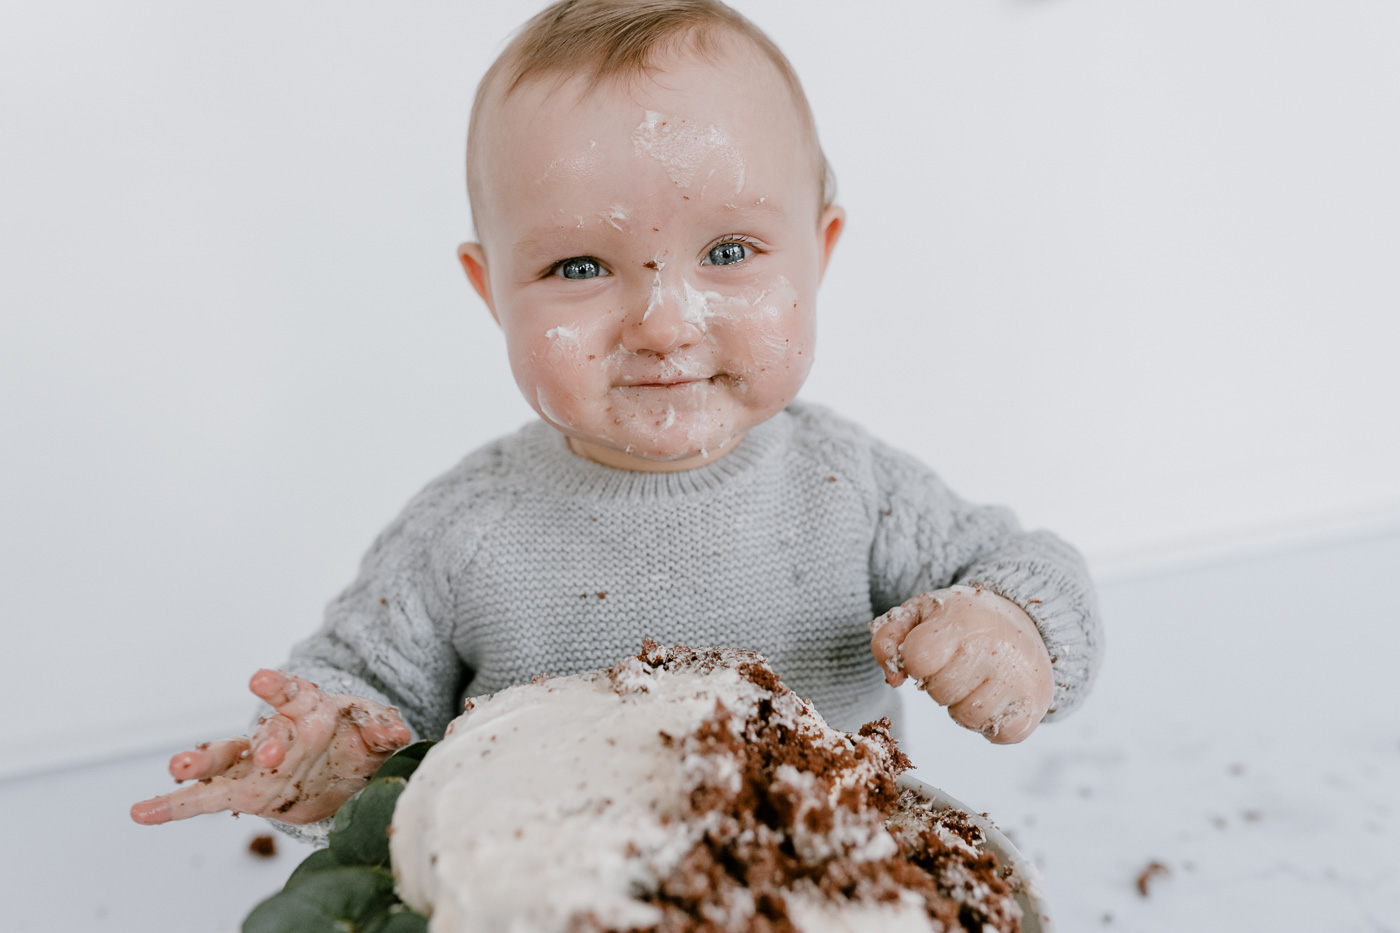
x=655, y=214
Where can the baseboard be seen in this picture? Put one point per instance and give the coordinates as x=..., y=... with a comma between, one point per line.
x=1247, y=543
x=76, y=749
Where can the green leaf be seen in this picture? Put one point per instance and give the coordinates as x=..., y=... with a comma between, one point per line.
x=336, y=900
x=320, y=860
x=347, y=888
x=405, y=761
x=399, y=919
x=360, y=832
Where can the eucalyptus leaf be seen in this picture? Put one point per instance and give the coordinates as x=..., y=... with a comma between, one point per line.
x=348, y=888
x=405, y=761
x=398, y=920
x=320, y=860
x=336, y=900
x=360, y=832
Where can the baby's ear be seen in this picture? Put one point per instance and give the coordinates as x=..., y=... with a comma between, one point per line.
x=473, y=261
x=829, y=227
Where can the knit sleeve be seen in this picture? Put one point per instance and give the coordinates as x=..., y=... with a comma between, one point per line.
x=389, y=636
x=927, y=538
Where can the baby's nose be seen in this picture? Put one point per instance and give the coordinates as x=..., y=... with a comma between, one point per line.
x=659, y=324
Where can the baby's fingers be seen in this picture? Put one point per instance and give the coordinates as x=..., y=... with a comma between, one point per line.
x=291, y=696
x=887, y=634
x=209, y=796
x=993, y=710
x=954, y=681
x=275, y=735
x=935, y=646
x=208, y=760
x=383, y=731
x=1014, y=723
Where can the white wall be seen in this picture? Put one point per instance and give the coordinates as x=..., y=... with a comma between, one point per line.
x=1127, y=266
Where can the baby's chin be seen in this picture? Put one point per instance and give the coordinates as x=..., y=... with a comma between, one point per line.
x=656, y=451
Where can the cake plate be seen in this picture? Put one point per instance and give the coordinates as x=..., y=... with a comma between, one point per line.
x=1026, y=884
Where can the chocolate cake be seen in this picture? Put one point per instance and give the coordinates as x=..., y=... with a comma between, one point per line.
x=682, y=790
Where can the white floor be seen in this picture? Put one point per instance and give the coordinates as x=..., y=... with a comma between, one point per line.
x=1245, y=733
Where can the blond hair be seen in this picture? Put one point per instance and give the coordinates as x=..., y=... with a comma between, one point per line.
x=604, y=40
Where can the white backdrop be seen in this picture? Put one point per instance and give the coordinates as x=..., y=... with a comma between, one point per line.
x=1126, y=266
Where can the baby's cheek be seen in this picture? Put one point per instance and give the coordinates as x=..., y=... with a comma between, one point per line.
x=561, y=391
x=777, y=339
x=555, y=406
x=578, y=346
x=558, y=368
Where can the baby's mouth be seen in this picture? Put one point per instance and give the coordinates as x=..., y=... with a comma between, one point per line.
x=667, y=383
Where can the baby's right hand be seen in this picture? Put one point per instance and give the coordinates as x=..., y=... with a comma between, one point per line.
x=300, y=764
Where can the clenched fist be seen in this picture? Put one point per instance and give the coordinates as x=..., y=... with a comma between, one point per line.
x=974, y=652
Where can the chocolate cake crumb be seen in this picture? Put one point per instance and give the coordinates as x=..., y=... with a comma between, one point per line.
x=761, y=675
x=1152, y=870
x=263, y=846
x=777, y=832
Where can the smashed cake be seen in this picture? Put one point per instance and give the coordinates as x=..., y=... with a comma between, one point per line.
x=681, y=790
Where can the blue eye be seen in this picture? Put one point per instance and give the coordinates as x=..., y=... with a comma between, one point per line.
x=727, y=254
x=580, y=267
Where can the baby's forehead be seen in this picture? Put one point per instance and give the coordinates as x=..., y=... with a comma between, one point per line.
x=733, y=71
x=727, y=103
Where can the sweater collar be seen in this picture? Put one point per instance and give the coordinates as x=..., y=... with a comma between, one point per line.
x=544, y=453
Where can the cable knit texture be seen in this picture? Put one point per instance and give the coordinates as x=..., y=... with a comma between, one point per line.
x=526, y=559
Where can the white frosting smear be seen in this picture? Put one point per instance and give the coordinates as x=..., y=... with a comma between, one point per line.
x=565, y=803
x=683, y=147
x=570, y=767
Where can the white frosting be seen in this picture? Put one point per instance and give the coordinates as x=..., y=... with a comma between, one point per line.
x=657, y=295
x=682, y=147
x=554, y=787
x=612, y=215
x=810, y=912
x=549, y=413
x=568, y=797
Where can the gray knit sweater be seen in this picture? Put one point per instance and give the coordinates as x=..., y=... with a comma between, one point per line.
x=526, y=559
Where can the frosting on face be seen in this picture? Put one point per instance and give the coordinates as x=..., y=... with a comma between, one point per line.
x=573, y=167
x=613, y=215
x=654, y=258
x=682, y=147
x=725, y=347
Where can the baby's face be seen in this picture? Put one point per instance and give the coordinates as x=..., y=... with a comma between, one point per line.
x=652, y=254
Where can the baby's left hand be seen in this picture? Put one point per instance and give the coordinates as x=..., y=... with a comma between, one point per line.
x=974, y=652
